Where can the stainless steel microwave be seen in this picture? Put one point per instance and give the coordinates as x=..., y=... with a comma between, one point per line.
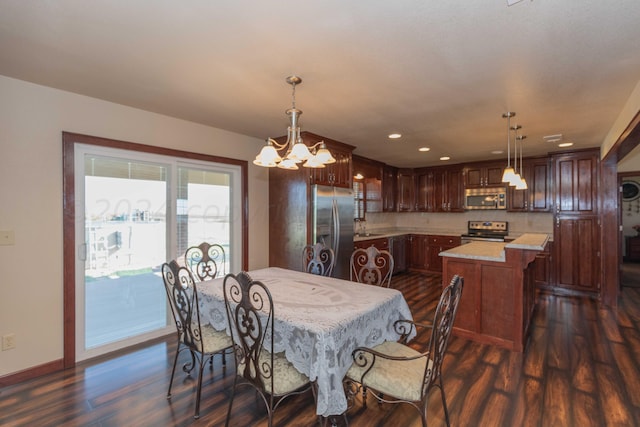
x=485, y=198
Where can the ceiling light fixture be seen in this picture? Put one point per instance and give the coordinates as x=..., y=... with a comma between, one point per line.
x=445, y=158
x=522, y=183
x=424, y=149
x=316, y=156
x=509, y=173
x=395, y=136
x=565, y=144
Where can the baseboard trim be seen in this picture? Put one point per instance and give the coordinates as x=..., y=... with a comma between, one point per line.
x=30, y=373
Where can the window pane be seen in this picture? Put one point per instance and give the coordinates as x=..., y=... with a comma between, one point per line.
x=125, y=233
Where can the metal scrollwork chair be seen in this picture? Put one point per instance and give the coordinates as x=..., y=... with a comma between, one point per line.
x=371, y=266
x=202, y=342
x=205, y=261
x=250, y=314
x=393, y=372
x=318, y=259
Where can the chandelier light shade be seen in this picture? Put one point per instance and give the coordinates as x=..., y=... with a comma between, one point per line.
x=294, y=151
x=509, y=173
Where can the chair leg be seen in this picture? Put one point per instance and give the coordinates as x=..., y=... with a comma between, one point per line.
x=444, y=403
x=199, y=390
x=173, y=371
x=364, y=396
x=233, y=394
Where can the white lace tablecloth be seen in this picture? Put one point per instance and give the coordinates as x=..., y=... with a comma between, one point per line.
x=319, y=321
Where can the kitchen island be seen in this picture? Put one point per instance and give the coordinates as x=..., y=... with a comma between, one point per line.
x=499, y=292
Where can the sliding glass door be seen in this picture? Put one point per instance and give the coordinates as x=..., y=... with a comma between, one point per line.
x=134, y=211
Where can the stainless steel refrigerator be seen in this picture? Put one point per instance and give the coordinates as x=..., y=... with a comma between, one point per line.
x=332, y=213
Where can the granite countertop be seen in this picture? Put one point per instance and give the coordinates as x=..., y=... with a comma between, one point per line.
x=384, y=233
x=485, y=251
x=380, y=234
x=529, y=241
x=495, y=251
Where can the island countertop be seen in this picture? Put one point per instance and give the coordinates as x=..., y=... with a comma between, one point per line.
x=495, y=251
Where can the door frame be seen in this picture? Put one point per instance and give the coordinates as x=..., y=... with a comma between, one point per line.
x=69, y=217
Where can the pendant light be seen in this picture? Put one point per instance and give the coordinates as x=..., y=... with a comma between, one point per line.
x=509, y=173
x=522, y=184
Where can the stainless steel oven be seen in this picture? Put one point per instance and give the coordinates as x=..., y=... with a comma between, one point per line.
x=485, y=231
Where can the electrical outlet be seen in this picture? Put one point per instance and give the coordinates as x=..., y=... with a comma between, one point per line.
x=8, y=342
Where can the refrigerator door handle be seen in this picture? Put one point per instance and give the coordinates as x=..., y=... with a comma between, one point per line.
x=335, y=237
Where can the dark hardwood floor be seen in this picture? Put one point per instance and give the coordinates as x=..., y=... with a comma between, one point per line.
x=581, y=368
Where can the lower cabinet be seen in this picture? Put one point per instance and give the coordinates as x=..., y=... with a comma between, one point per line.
x=437, y=244
x=396, y=245
x=418, y=247
x=380, y=244
x=424, y=251
x=576, y=252
x=542, y=268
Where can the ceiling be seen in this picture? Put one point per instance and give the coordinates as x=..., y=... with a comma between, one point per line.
x=440, y=73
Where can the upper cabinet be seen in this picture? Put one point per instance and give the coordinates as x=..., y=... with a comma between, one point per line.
x=337, y=174
x=537, y=196
x=389, y=188
x=406, y=190
x=367, y=186
x=576, y=182
x=480, y=175
x=439, y=189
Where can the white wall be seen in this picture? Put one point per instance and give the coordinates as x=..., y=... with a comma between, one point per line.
x=32, y=119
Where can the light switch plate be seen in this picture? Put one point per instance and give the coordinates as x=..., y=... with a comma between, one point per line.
x=6, y=238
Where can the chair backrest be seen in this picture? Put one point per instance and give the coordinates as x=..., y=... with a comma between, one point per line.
x=205, y=261
x=250, y=314
x=183, y=299
x=443, y=320
x=372, y=266
x=318, y=259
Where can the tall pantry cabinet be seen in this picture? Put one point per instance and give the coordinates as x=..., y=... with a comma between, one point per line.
x=577, y=220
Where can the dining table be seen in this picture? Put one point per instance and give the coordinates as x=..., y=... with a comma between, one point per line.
x=318, y=322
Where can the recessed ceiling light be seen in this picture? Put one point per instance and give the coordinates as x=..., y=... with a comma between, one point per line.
x=395, y=136
x=553, y=138
x=424, y=149
x=445, y=158
x=497, y=152
x=565, y=144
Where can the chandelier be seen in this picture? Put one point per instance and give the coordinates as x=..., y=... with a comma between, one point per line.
x=294, y=150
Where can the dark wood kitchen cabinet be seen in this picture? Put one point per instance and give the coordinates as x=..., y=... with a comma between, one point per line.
x=338, y=174
x=576, y=182
x=449, y=189
x=418, y=251
x=367, y=186
x=439, y=189
x=484, y=174
x=389, y=188
x=437, y=244
x=576, y=253
x=537, y=196
x=542, y=267
x=406, y=190
x=382, y=244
